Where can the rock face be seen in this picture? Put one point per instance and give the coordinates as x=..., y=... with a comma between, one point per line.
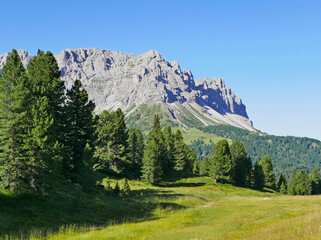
x=116, y=80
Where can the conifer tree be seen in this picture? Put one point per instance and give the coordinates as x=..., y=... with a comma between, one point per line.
x=291, y=186
x=154, y=153
x=269, y=176
x=14, y=166
x=239, y=160
x=316, y=181
x=111, y=142
x=250, y=172
x=180, y=152
x=258, y=176
x=169, y=162
x=221, y=162
x=283, y=188
x=136, y=146
x=79, y=128
x=196, y=169
x=282, y=180
x=45, y=119
x=303, y=183
x=205, y=166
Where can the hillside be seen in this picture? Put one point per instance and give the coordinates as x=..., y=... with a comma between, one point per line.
x=193, y=208
x=286, y=152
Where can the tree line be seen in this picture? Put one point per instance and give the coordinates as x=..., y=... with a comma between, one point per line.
x=50, y=134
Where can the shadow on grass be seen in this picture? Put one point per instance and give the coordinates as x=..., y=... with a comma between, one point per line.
x=20, y=215
x=179, y=184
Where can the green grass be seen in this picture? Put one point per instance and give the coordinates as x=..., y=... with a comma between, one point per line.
x=193, y=208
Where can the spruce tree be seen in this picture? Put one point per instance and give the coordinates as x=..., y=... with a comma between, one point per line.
x=250, y=172
x=258, y=176
x=239, y=159
x=79, y=128
x=180, y=152
x=154, y=154
x=316, y=181
x=125, y=192
x=291, y=186
x=269, y=176
x=282, y=180
x=136, y=146
x=111, y=144
x=14, y=166
x=45, y=119
x=303, y=184
x=221, y=162
x=205, y=166
x=169, y=161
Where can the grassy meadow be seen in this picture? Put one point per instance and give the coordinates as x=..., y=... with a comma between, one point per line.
x=193, y=208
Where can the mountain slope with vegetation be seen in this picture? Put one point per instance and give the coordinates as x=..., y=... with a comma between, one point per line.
x=286, y=152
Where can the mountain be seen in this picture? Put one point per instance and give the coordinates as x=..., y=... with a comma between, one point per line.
x=147, y=84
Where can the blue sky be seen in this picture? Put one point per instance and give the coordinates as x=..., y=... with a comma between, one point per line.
x=268, y=52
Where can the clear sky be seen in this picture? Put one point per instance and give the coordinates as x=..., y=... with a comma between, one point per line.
x=268, y=52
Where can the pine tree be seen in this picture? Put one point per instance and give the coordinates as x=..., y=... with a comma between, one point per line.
x=180, y=152
x=258, y=176
x=169, y=162
x=205, y=166
x=316, y=181
x=196, y=170
x=291, y=186
x=136, y=146
x=283, y=188
x=303, y=184
x=239, y=159
x=250, y=173
x=14, y=166
x=154, y=154
x=282, y=180
x=111, y=142
x=221, y=162
x=79, y=128
x=45, y=119
x=269, y=176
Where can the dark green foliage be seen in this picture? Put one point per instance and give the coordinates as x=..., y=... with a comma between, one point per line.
x=221, y=162
x=196, y=169
x=303, y=184
x=258, y=176
x=14, y=166
x=79, y=127
x=154, y=154
x=250, y=172
x=169, y=161
x=282, y=180
x=316, y=181
x=45, y=120
x=202, y=149
x=285, y=152
x=239, y=160
x=269, y=177
x=136, y=146
x=125, y=192
x=205, y=166
x=283, y=188
x=111, y=144
x=291, y=186
x=180, y=152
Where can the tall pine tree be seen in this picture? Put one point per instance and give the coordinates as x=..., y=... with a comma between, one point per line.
x=154, y=153
x=239, y=160
x=269, y=176
x=79, y=128
x=14, y=169
x=136, y=146
x=221, y=162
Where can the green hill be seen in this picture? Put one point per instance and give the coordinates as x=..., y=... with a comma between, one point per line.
x=286, y=152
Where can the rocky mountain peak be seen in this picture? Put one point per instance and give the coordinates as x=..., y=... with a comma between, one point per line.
x=114, y=79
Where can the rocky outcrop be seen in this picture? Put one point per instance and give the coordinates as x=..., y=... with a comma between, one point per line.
x=114, y=79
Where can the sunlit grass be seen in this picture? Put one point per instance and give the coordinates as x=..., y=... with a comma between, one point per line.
x=196, y=208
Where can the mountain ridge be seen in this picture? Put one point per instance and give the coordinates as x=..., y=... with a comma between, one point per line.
x=117, y=80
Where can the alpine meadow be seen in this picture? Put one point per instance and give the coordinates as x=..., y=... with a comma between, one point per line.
x=174, y=158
